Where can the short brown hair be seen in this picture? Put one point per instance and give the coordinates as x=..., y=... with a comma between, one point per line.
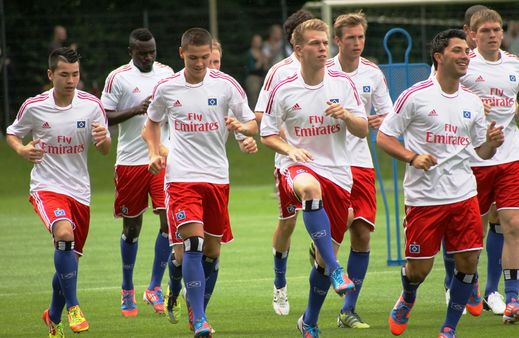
x=309, y=25
x=65, y=54
x=349, y=20
x=196, y=37
x=482, y=16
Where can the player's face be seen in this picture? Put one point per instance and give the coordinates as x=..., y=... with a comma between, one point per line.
x=143, y=54
x=215, y=59
x=455, y=58
x=64, y=78
x=196, y=61
x=314, y=50
x=351, y=44
x=488, y=37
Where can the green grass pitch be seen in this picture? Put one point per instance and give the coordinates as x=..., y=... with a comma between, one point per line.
x=241, y=305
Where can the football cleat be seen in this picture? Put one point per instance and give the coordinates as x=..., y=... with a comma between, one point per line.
x=446, y=332
x=202, y=328
x=280, y=301
x=511, y=314
x=340, y=282
x=352, y=320
x=128, y=303
x=475, y=303
x=155, y=298
x=494, y=302
x=55, y=330
x=399, y=316
x=173, y=307
x=306, y=330
x=76, y=319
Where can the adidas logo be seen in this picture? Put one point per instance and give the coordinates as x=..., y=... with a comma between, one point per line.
x=45, y=125
x=480, y=79
x=296, y=107
x=432, y=113
x=136, y=90
x=177, y=104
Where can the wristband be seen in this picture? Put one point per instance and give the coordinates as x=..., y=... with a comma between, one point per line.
x=412, y=159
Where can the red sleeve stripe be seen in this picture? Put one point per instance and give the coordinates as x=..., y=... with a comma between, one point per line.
x=38, y=98
x=220, y=75
x=273, y=70
x=162, y=81
x=86, y=96
x=405, y=95
x=330, y=62
x=334, y=73
x=111, y=77
x=275, y=89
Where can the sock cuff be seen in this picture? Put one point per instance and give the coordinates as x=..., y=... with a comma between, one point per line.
x=128, y=239
x=467, y=278
x=495, y=228
x=209, y=259
x=312, y=205
x=320, y=269
x=510, y=274
x=280, y=255
x=163, y=234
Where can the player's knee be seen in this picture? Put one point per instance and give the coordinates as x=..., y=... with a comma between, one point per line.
x=310, y=191
x=360, y=235
x=177, y=255
x=64, y=245
x=132, y=228
x=212, y=246
x=63, y=231
x=193, y=244
x=287, y=225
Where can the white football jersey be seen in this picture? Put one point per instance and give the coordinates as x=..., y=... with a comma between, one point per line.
x=198, y=133
x=300, y=108
x=281, y=70
x=446, y=126
x=65, y=133
x=372, y=88
x=497, y=83
x=126, y=87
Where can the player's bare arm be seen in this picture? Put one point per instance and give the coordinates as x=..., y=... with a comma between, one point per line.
x=116, y=117
x=278, y=144
x=30, y=151
x=101, y=139
x=393, y=147
x=248, y=145
x=356, y=125
x=495, y=138
x=248, y=128
x=151, y=135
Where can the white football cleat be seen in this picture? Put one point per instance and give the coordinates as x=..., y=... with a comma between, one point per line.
x=280, y=301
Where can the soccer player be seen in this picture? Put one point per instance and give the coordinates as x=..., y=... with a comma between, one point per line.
x=126, y=97
x=197, y=178
x=63, y=122
x=494, y=76
x=442, y=123
x=350, y=35
x=316, y=105
x=248, y=145
x=287, y=218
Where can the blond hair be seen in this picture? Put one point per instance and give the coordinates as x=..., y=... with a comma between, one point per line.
x=349, y=20
x=309, y=25
x=482, y=16
x=215, y=44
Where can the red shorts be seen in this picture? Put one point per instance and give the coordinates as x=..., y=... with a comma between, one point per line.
x=459, y=224
x=287, y=209
x=198, y=202
x=499, y=184
x=336, y=200
x=133, y=184
x=53, y=207
x=364, y=195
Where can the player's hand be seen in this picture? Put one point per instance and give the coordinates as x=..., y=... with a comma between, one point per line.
x=99, y=133
x=337, y=111
x=157, y=164
x=495, y=136
x=142, y=108
x=234, y=125
x=248, y=145
x=163, y=151
x=374, y=121
x=31, y=152
x=424, y=162
x=299, y=155
x=487, y=107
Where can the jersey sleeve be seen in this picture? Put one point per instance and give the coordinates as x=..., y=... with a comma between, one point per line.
x=22, y=125
x=112, y=92
x=478, y=132
x=381, y=99
x=273, y=116
x=352, y=101
x=238, y=103
x=158, y=107
x=397, y=121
